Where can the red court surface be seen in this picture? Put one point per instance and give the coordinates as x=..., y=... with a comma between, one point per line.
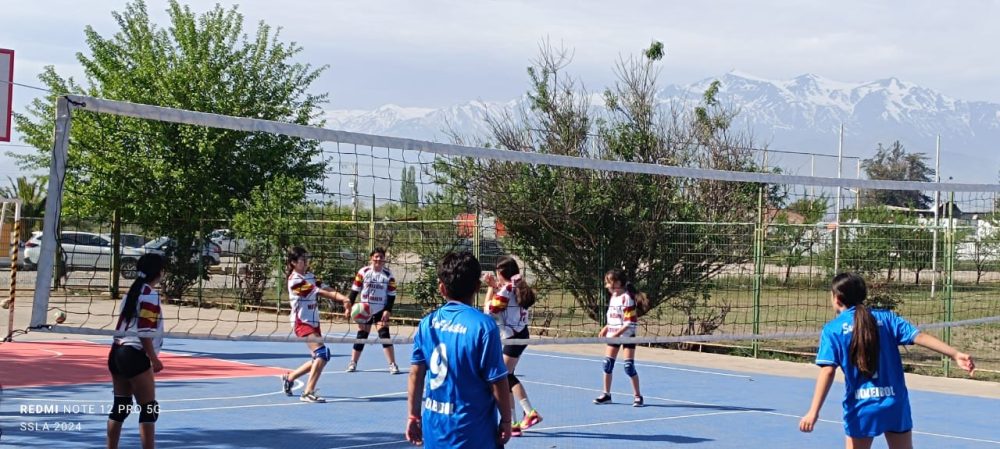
x=27, y=364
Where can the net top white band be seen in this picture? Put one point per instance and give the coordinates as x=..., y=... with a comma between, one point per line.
x=328, y=135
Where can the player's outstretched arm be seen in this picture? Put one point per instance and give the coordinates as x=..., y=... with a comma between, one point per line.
x=962, y=359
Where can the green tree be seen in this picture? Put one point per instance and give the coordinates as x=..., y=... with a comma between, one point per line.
x=169, y=178
x=31, y=192
x=872, y=245
x=408, y=193
x=896, y=164
x=572, y=225
x=271, y=221
x=792, y=241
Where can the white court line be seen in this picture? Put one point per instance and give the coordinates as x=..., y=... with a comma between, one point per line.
x=283, y=404
x=298, y=384
x=370, y=444
x=645, y=365
x=747, y=409
x=630, y=421
x=57, y=355
x=941, y=435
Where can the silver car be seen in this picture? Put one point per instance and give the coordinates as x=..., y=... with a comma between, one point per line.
x=84, y=250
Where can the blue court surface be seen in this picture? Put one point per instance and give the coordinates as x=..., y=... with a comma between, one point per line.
x=685, y=407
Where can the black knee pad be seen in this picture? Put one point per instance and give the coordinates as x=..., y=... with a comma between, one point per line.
x=121, y=408
x=512, y=380
x=149, y=412
x=630, y=368
x=383, y=332
x=609, y=365
x=361, y=336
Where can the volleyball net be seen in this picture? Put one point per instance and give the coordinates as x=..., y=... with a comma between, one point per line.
x=730, y=254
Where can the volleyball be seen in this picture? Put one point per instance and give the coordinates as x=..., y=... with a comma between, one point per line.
x=6, y=303
x=59, y=316
x=360, y=313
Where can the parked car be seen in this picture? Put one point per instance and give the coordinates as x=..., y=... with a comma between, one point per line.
x=490, y=252
x=211, y=253
x=133, y=240
x=84, y=250
x=227, y=240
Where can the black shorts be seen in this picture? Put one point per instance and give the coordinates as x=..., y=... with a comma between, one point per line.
x=126, y=361
x=515, y=351
x=376, y=317
x=628, y=346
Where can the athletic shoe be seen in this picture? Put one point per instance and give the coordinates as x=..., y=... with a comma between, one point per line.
x=352, y=367
x=393, y=369
x=515, y=430
x=637, y=402
x=603, y=399
x=311, y=397
x=286, y=385
x=530, y=420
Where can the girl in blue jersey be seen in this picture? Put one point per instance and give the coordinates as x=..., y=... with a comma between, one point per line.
x=864, y=344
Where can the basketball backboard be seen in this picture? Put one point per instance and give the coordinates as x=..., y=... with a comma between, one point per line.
x=6, y=92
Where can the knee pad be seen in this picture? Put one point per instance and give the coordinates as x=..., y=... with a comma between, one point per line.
x=121, y=408
x=512, y=380
x=322, y=352
x=383, y=332
x=630, y=368
x=361, y=336
x=609, y=365
x=149, y=412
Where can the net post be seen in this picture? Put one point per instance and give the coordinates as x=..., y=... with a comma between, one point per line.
x=758, y=267
x=53, y=204
x=15, y=240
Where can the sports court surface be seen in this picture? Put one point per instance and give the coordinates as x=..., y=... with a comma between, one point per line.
x=225, y=394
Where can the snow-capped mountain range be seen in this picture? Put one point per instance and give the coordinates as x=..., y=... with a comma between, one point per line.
x=802, y=114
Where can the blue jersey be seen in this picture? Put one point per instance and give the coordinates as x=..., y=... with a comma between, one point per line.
x=872, y=406
x=462, y=351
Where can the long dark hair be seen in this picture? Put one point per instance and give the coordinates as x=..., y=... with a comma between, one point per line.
x=850, y=290
x=291, y=256
x=641, y=301
x=507, y=267
x=147, y=268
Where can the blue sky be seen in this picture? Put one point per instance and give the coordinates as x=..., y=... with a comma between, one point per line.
x=436, y=53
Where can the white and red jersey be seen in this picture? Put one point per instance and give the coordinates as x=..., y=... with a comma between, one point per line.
x=374, y=287
x=302, y=293
x=147, y=322
x=622, y=312
x=509, y=315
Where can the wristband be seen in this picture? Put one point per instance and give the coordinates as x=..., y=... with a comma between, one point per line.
x=413, y=418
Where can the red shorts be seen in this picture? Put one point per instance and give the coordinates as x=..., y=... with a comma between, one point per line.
x=305, y=329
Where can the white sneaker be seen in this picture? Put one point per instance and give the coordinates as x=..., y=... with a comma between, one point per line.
x=393, y=369
x=352, y=367
x=311, y=397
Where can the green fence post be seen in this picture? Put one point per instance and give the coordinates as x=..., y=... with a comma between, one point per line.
x=758, y=267
x=949, y=287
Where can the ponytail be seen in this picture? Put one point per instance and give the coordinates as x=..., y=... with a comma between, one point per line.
x=507, y=267
x=148, y=268
x=641, y=300
x=850, y=290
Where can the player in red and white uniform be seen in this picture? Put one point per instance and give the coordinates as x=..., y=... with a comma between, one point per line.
x=622, y=320
x=509, y=299
x=376, y=286
x=134, y=355
x=303, y=294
